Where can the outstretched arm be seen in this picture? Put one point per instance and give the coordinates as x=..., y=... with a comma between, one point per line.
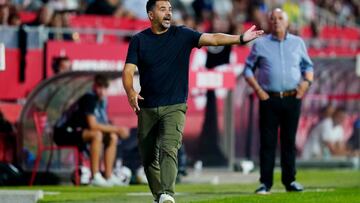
x=220, y=39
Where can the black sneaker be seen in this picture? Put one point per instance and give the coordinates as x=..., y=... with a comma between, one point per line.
x=263, y=190
x=294, y=187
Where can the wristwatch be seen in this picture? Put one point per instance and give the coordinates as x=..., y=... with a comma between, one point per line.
x=242, y=42
x=308, y=81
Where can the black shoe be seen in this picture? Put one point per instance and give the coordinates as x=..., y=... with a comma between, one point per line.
x=182, y=172
x=178, y=179
x=263, y=190
x=294, y=187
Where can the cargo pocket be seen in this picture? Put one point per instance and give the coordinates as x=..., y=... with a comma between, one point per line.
x=180, y=129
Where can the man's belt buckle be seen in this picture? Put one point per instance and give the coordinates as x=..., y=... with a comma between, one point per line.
x=281, y=95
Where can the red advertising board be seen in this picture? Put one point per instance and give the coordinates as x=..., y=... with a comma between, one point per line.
x=212, y=79
x=87, y=56
x=11, y=88
x=92, y=56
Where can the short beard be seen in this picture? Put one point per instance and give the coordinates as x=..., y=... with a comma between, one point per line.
x=165, y=25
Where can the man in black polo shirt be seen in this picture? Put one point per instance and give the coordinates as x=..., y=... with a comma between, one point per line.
x=161, y=54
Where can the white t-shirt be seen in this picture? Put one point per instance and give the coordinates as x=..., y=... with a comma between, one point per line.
x=324, y=131
x=332, y=134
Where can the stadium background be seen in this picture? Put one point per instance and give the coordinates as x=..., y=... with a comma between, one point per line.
x=95, y=34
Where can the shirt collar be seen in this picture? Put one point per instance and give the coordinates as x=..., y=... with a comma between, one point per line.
x=272, y=37
x=101, y=102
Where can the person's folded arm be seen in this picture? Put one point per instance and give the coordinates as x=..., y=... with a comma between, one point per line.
x=106, y=128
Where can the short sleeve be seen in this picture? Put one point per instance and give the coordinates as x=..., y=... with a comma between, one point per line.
x=327, y=130
x=133, y=53
x=192, y=35
x=88, y=104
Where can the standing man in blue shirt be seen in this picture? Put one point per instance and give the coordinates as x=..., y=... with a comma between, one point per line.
x=285, y=74
x=161, y=54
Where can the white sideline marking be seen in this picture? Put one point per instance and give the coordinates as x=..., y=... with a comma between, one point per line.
x=138, y=194
x=308, y=190
x=52, y=193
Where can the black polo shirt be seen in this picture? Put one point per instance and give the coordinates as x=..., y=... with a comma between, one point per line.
x=76, y=116
x=163, y=64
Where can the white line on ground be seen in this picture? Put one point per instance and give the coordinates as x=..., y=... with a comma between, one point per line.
x=138, y=194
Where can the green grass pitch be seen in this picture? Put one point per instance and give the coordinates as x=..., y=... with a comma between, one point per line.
x=325, y=186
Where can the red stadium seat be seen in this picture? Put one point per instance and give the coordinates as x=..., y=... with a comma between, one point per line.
x=305, y=32
x=27, y=17
x=7, y=147
x=41, y=121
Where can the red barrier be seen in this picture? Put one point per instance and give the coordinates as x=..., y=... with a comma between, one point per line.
x=212, y=80
x=11, y=111
x=10, y=85
x=9, y=78
x=96, y=56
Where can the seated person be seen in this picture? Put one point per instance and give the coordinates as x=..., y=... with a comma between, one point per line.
x=86, y=122
x=334, y=142
x=61, y=64
x=327, y=137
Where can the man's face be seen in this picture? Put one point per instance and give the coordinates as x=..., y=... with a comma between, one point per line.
x=162, y=14
x=278, y=21
x=4, y=12
x=100, y=91
x=65, y=65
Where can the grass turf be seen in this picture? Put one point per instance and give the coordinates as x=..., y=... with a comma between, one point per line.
x=320, y=186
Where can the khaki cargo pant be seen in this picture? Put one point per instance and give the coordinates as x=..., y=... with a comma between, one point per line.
x=160, y=132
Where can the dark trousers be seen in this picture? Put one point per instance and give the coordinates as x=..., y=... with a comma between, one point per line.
x=278, y=113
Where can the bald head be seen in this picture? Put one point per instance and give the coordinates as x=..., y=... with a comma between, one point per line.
x=279, y=22
x=278, y=11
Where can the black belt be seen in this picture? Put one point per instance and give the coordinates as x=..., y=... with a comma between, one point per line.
x=289, y=93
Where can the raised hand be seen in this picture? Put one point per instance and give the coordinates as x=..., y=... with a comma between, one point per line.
x=252, y=34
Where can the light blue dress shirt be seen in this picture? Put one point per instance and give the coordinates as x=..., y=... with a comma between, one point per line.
x=281, y=64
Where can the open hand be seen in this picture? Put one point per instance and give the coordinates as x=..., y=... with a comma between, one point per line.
x=133, y=100
x=252, y=34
